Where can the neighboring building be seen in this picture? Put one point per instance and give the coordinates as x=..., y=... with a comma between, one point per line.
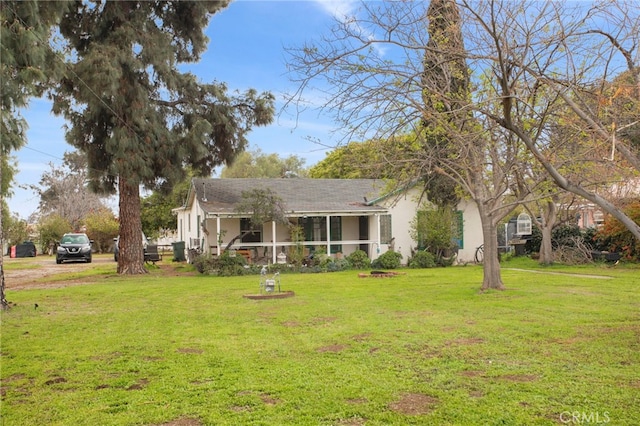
x=338, y=216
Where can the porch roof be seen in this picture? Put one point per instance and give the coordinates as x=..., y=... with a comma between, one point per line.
x=300, y=196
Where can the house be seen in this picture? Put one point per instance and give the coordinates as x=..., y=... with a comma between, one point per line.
x=337, y=216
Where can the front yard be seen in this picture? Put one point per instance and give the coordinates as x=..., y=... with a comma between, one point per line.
x=177, y=348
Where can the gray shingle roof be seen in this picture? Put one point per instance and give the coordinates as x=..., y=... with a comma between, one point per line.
x=220, y=196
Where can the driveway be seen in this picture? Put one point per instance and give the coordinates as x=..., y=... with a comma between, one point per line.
x=39, y=267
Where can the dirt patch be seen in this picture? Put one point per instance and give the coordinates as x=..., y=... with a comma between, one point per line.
x=361, y=337
x=465, y=341
x=414, y=404
x=472, y=373
x=140, y=384
x=183, y=422
x=55, y=380
x=356, y=421
x=523, y=378
x=332, y=348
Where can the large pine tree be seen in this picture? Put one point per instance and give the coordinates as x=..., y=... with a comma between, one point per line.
x=139, y=120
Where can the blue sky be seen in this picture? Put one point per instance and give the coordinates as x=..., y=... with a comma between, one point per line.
x=246, y=50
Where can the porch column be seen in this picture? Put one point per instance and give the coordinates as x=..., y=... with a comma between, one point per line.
x=328, y=235
x=274, y=259
x=378, y=249
x=218, y=235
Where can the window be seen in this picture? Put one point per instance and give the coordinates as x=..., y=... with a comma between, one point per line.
x=189, y=222
x=523, y=224
x=198, y=226
x=336, y=233
x=250, y=234
x=386, y=233
x=458, y=229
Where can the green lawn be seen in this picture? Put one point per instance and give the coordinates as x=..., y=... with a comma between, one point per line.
x=425, y=348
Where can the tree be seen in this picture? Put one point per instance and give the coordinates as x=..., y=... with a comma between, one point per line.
x=136, y=117
x=157, y=217
x=569, y=53
x=102, y=227
x=25, y=68
x=63, y=191
x=419, y=88
x=256, y=164
x=52, y=228
x=371, y=159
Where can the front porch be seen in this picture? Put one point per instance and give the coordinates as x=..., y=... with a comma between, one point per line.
x=335, y=235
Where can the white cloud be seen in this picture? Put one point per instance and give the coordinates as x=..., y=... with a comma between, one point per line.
x=345, y=11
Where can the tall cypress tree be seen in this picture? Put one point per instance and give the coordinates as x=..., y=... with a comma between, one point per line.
x=445, y=83
x=139, y=120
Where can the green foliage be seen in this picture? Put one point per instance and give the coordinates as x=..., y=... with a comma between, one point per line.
x=372, y=159
x=156, y=208
x=256, y=164
x=52, y=228
x=616, y=237
x=433, y=229
x=14, y=229
x=422, y=259
x=387, y=260
x=226, y=265
x=296, y=252
x=102, y=228
x=27, y=62
x=359, y=260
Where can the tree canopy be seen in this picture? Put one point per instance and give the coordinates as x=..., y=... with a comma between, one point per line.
x=257, y=164
x=137, y=118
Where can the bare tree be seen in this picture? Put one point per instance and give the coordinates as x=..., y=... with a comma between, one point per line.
x=393, y=70
x=63, y=191
x=562, y=64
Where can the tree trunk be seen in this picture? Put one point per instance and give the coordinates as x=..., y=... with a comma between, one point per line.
x=4, y=305
x=131, y=251
x=492, y=278
x=546, y=248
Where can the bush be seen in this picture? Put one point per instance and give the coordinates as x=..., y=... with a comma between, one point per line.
x=205, y=264
x=359, y=260
x=615, y=237
x=422, y=259
x=336, y=265
x=225, y=265
x=388, y=260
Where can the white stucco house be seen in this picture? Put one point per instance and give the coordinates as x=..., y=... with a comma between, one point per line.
x=338, y=216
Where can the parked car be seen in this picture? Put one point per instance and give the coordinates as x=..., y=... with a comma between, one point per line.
x=116, y=248
x=74, y=247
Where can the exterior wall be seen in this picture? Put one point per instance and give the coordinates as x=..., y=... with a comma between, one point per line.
x=402, y=210
x=472, y=231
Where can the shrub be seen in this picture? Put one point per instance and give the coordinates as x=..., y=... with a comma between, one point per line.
x=422, y=259
x=336, y=265
x=388, y=260
x=224, y=265
x=617, y=238
x=359, y=260
x=229, y=265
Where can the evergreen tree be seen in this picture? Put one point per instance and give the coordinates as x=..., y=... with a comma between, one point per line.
x=138, y=119
x=25, y=68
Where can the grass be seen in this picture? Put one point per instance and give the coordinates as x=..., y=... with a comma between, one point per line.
x=421, y=348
